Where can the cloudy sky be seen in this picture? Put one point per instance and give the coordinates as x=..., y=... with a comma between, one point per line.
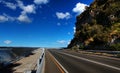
x=41, y=23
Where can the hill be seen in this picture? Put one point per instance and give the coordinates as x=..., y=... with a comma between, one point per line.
x=98, y=27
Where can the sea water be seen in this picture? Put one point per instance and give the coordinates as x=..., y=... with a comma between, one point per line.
x=5, y=55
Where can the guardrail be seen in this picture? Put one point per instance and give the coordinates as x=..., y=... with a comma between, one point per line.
x=40, y=63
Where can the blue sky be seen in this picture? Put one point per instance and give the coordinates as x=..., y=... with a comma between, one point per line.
x=39, y=23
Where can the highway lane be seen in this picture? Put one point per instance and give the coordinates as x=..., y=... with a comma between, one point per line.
x=107, y=60
x=76, y=63
x=51, y=66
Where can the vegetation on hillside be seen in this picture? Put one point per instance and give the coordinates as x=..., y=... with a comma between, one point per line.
x=98, y=27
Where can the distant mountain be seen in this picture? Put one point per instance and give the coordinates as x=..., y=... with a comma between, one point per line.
x=98, y=27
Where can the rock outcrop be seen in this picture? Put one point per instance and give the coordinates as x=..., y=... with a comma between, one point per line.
x=98, y=25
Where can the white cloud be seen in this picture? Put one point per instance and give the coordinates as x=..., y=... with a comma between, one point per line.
x=29, y=9
x=26, y=9
x=10, y=18
x=41, y=1
x=7, y=42
x=61, y=15
x=24, y=18
x=9, y=5
x=20, y=4
x=79, y=8
x=74, y=29
x=61, y=41
x=68, y=42
x=21, y=18
x=3, y=18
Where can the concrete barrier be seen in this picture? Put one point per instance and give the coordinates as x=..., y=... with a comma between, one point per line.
x=41, y=62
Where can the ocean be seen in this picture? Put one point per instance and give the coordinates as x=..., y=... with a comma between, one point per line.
x=6, y=55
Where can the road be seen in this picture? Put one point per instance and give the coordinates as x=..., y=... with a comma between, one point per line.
x=51, y=66
x=74, y=62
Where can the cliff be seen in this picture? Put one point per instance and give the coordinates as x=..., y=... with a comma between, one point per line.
x=98, y=26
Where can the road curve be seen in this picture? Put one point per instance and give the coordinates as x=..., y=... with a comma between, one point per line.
x=77, y=63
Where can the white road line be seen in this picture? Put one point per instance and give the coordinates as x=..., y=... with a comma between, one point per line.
x=60, y=64
x=112, y=58
x=113, y=67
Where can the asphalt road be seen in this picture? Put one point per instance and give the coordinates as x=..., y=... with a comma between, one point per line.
x=51, y=66
x=80, y=63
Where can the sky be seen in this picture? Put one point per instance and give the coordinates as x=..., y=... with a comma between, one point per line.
x=39, y=23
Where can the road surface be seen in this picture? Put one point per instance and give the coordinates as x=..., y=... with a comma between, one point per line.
x=51, y=66
x=80, y=63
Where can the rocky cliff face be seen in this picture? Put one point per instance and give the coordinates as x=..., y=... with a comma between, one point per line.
x=98, y=25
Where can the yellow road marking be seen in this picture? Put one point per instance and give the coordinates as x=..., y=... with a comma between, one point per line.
x=56, y=63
